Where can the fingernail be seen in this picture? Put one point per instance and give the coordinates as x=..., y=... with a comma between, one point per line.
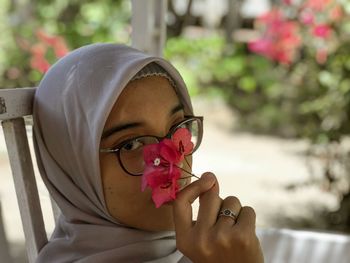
x=208, y=176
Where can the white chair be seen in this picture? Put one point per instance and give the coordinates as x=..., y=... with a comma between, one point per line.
x=298, y=246
x=15, y=104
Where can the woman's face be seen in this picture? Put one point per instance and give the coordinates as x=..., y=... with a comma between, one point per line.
x=148, y=106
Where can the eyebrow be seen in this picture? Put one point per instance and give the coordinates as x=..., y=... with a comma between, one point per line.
x=176, y=109
x=131, y=125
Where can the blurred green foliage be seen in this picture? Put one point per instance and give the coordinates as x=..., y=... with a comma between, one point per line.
x=195, y=59
x=305, y=99
x=79, y=22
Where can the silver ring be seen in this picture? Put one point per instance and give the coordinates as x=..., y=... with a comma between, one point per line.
x=228, y=213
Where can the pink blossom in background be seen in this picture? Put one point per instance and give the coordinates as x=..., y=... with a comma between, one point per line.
x=60, y=47
x=39, y=63
x=274, y=18
x=45, y=38
x=336, y=13
x=318, y=5
x=289, y=29
x=38, y=51
x=262, y=46
x=56, y=42
x=307, y=17
x=281, y=38
x=162, y=169
x=38, y=60
x=322, y=31
x=287, y=2
x=321, y=55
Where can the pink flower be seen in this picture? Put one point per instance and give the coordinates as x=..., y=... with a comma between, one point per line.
x=336, y=13
x=56, y=42
x=39, y=63
x=262, y=46
x=287, y=2
x=322, y=31
x=274, y=18
x=280, y=40
x=321, y=55
x=307, y=17
x=38, y=49
x=162, y=162
x=182, y=141
x=60, y=48
x=163, y=182
x=318, y=5
x=45, y=38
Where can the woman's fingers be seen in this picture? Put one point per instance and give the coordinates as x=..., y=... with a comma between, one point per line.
x=246, y=219
x=228, y=237
x=227, y=220
x=182, y=208
x=209, y=206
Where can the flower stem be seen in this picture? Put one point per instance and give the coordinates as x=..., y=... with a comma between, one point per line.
x=191, y=174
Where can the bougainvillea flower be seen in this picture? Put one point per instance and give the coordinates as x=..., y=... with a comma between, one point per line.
x=162, y=165
x=318, y=5
x=56, y=42
x=322, y=31
x=39, y=63
x=281, y=38
x=321, y=55
x=287, y=2
x=336, y=13
x=60, y=47
x=45, y=38
x=38, y=49
x=182, y=141
x=163, y=182
x=307, y=17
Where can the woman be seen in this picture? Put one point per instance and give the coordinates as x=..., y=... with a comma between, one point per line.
x=88, y=110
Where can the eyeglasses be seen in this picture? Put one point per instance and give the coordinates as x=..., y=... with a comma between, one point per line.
x=130, y=152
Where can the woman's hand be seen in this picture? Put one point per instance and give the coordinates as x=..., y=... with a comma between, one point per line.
x=212, y=238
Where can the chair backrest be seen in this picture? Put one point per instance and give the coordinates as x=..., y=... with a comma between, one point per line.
x=15, y=104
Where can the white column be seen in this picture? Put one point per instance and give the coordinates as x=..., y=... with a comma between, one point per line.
x=149, y=25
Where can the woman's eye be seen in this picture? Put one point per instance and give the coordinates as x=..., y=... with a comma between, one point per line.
x=132, y=145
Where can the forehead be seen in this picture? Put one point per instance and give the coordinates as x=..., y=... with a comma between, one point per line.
x=142, y=98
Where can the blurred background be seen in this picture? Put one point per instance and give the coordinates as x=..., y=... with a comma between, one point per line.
x=272, y=79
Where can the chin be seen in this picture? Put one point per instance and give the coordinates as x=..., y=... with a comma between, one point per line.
x=160, y=220
x=157, y=227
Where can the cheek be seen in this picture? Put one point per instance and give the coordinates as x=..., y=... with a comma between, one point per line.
x=120, y=189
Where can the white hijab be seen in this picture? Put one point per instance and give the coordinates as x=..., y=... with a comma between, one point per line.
x=71, y=106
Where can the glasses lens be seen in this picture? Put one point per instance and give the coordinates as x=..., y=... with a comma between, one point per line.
x=131, y=154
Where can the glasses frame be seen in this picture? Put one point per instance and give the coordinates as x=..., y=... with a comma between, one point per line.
x=116, y=149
